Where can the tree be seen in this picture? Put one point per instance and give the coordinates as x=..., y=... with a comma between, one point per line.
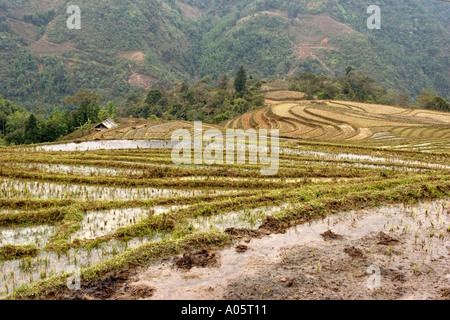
x=425, y=99
x=7, y=108
x=103, y=114
x=108, y=112
x=112, y=110
x=156, y=103
x=428, y=99
x=56, y=126
x=223, y=83
x=403, y=100
x=83, y=97
x=88, y=107
x=240, y=106
x=240, y=83
x=348, y=70
x=32, y=130
x=439, y=103
x=15, y=124
x=153, y=97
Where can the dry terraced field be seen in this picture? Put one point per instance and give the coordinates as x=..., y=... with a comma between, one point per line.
x=349, y=122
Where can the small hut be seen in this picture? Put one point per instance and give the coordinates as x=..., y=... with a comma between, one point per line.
x=106, y=125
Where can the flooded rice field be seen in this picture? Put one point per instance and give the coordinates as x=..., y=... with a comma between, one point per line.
x=323, y=259
x=96, y=224
x=19, y=272
x=79, y=169
x=407, y=246
x=18, y=236
x=366, y=158
x=17, y=189
x=248, y=219
x=108, y=145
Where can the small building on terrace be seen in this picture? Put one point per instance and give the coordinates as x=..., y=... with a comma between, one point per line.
x=106, y=125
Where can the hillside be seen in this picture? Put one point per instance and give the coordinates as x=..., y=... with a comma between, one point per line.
x=130, y=45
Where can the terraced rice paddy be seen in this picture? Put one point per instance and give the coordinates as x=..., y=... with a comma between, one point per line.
x=107, y=209
x=349, y=122
x=114, y=201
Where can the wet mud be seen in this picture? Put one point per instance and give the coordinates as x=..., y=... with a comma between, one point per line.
x=393, y=252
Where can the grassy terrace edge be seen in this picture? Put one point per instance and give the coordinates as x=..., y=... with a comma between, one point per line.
x=148, y=253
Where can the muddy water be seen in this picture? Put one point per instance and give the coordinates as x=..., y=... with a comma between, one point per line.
x=109, y=145
x=421, y=231
x=301, y=264
x=15, y=273
x=95, y=224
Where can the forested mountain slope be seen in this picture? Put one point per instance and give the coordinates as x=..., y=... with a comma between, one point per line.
x=129, y=45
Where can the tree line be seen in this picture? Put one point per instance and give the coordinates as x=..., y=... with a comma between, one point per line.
x=20, y=126
x=355, y=86
x=206, y=100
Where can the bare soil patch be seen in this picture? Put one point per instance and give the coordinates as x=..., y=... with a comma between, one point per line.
x=136, y=56
x=200, y=259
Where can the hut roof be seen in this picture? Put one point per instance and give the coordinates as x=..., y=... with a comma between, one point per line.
x=108, y=124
